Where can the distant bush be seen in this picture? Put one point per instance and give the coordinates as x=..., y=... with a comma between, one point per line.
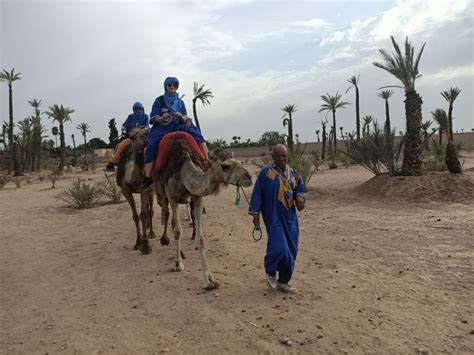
x=434, y=158
x=303, y=164
x=80, y=195
x=4, y=178
x=53, y=177
x=109, y=188
x=17, y=180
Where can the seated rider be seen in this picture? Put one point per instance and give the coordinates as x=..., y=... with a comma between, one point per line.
x=168, y=114
x=136, y=119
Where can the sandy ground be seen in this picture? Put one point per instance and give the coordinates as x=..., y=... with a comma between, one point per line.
x=374, y=276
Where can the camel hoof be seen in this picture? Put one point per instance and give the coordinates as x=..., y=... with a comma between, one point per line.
x=193, y=237
x=178, y=267
x=212, y=285
x=137, y=246
x=182, y=254
x=145, y=248
x=164, y=240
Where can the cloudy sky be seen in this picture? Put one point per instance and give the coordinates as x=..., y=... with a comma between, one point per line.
x=256, y=57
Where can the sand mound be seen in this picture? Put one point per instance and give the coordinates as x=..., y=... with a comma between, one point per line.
x=431, y=187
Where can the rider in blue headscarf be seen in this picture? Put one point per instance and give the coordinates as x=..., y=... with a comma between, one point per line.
x=168, y=114
x=137, y=119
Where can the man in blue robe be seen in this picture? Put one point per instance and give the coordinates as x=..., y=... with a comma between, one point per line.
x=277, y=193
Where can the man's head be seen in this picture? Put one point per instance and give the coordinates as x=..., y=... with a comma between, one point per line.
x=171, y=84
x=138, y=107
x=280, y=155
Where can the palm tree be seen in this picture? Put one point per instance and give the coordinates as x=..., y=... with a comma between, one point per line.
x=317, y=134
x=405, y=68
x=342, y=134
x=450, y=96
x=37, y=134
x=386, y=94
x=84, y=128
x=203, y=96
x=451, y=157
x=11, y=77
x=289, y=109
x=61, y=114
x=355, y=83
x=332, y=103
x=368, y=119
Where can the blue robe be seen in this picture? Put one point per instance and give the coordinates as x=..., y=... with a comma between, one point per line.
x=274, y=195
x=158, y=130
x=136, y=119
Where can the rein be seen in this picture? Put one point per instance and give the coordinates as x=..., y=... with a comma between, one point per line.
x=257, y=231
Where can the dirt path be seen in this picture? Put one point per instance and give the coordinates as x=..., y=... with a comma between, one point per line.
x=374, y=277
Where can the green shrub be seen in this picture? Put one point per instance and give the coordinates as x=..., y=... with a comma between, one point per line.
x=80, y=195
x=4, y=178
x=303, y=164
x=434, y=158
x=375, y=151
x=109, y=188
x=17, y=180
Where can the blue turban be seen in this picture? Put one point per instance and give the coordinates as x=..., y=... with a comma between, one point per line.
x=171, y=80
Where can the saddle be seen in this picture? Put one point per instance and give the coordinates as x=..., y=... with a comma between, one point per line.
x=166, y=144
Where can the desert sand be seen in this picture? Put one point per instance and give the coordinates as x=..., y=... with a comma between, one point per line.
x=378, y=272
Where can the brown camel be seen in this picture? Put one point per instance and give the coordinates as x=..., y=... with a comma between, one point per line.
x=129, y=177
x=184, y=178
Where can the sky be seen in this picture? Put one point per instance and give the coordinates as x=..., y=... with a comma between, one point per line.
x=98, y=58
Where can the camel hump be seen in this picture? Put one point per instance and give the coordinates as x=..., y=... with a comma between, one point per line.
x=127, y=153
x=167, y=149
x=178, y=151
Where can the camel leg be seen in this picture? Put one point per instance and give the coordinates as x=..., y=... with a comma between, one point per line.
x=128, y=195
x=150, y=213
x=179, y=266
x=144, y=199
x=165, y=215
x=193, y=219
x=209, y=280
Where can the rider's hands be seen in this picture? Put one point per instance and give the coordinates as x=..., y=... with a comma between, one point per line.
x=180, y=116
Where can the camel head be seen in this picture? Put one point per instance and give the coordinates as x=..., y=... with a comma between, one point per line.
x=235, y=173
x=139, y=138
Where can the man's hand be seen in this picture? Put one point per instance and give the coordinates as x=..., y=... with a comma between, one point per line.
x=181, y=116
x=256, y=218
x=300, y=203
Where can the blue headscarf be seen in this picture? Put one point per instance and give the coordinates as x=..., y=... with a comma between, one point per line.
x=138, y=106
x=172, y=100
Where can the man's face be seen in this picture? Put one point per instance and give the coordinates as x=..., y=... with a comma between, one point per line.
x=280, y=157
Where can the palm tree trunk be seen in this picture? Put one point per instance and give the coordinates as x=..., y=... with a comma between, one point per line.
x=334, y=127
x=74, y=147
x=323, y=154
x=38, y=148
x=413, y=143
x=450, y=122
x=14, y=166
x=357, y=113
x=290, y=133
x=63, y=147
x=440, y=138
x=451, y=155
x=86, y=166
x=196, y=115
x=387, y=127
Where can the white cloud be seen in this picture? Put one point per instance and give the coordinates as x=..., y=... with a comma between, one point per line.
x=351, y=34
x=451, y=73
x=410, y=17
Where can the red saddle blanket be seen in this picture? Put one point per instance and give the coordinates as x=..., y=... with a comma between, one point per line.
x=165, y=147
